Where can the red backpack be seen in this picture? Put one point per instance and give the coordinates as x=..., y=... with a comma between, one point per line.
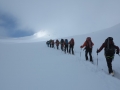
x=72, y=41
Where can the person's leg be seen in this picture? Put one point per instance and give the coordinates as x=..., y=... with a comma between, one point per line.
x=86, y=54
x=61, y=47
x=72, y=49
x=90, y=54
x=58, y=46
x=53, y=45
x=109, y=64
x=67, y=48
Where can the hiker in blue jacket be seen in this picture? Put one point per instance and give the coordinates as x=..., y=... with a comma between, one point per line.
x=66, y=45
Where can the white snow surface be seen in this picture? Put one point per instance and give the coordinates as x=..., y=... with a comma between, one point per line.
x=34, y=66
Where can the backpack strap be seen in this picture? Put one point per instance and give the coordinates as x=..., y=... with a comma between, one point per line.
x=108, y=44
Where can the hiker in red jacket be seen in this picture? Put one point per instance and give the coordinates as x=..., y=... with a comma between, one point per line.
x=71, y=45
x=57, y=43
x=52, y=43
x=88, y=44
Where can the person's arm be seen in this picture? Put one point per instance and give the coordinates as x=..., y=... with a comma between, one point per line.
x=102, y=46
x=116, y=47
x=83, y=45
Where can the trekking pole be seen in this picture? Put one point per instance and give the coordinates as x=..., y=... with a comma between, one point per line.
x=97, y=59
x=80, y=53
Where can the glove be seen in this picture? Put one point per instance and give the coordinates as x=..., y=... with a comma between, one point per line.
x=81, y=47
x=97, y=51
x=117, y=52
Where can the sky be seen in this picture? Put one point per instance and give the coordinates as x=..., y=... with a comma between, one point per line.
x=35, y=66
x=56, y=18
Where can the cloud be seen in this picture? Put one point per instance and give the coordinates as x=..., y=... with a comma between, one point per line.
x=3, y=33
x=62, y=17
x=9, y=27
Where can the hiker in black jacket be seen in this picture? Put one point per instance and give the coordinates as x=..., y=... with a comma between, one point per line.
x=109, y=51
x=62, y=44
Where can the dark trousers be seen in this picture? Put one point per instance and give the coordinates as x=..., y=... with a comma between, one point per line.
x=109, y=63
x=66, y=48
x=57, y=46
x=71, y=48
x=90, y=54
x=52, y=45
x=62, y=47
x=47, y=44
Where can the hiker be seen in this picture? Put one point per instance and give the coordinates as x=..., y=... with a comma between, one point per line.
x=62, y=44
x=71, y=45
x=88, y=44
x=52, y=43
x=109, y=51
x=66, y=45
x=57, y=43
x=47, y=43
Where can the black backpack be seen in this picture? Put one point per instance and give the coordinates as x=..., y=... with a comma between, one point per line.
x=110, y=47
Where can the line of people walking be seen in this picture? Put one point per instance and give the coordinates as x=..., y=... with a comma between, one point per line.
x=66, y=46
x=109, y=49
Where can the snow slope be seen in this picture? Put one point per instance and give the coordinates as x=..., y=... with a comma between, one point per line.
x=34, y=66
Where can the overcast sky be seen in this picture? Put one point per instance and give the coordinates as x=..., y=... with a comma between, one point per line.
x=57, y=17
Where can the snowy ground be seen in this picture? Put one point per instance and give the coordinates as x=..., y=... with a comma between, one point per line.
x=34, y=66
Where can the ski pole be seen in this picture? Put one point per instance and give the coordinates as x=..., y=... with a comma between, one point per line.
x=97, y=59
x=80, y=53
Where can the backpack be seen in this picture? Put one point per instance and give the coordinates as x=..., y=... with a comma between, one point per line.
x=110, y=47
x=89, y=44
x=72, y=41
x=66, y=41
